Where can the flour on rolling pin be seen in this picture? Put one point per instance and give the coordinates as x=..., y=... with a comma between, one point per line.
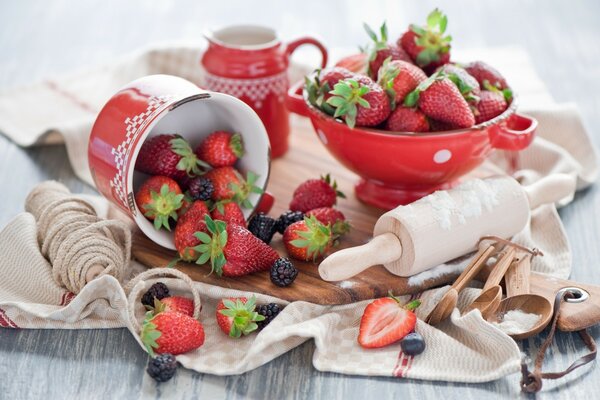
x=434, y=228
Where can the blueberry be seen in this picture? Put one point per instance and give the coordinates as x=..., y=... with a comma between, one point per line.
x=413, y=344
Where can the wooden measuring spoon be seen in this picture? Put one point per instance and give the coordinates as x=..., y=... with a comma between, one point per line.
x=444, y=307
x=489, y=299
x=517, y=284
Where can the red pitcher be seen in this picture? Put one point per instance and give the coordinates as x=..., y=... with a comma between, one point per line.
x=250, y=63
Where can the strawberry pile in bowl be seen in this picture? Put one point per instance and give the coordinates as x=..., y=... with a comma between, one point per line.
x=406, y=118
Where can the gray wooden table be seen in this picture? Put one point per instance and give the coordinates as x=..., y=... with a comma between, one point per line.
x=41, y=39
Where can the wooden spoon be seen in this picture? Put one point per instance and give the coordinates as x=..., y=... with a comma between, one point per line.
x=489, y=299
x=444, y=307
x=517, y=284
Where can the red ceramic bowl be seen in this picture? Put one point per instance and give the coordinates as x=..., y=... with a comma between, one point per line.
x=159, y=104
x=400, y=167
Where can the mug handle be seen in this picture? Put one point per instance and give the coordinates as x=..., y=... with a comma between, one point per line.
x=516, y=133
x=294, y=44
x=295, y=101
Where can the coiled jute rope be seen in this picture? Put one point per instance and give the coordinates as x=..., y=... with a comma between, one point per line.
x=79, y=245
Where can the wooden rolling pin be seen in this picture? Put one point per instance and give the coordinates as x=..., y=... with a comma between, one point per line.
x=445, y=225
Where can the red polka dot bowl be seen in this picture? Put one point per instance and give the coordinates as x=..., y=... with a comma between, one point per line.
x=400, y=167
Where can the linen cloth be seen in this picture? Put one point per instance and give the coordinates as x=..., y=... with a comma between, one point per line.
x=464, y=348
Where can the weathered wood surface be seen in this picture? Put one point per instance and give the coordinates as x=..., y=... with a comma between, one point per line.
x=40, y=39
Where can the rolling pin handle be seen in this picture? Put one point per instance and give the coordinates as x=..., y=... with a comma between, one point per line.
x=346, y=263
x=549, y=190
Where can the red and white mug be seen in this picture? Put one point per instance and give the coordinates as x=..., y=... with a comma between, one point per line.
x=251, y=63
x=158, y=104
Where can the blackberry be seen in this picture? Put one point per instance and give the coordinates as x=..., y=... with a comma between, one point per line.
x=283, y=272
x=162, y=367
x=288, y=218
x=159, y=290
x=269, y=311
x=263, y=227
x=200, y=188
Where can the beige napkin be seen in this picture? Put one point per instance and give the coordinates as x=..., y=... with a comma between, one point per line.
x=463, y=349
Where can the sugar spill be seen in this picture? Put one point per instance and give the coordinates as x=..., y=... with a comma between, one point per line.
x=515, y=322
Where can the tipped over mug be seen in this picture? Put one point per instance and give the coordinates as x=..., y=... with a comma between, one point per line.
x=250, y=62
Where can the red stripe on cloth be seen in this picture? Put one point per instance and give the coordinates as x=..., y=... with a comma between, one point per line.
x=405, y=361
x=67, y=298
x=76, y=100
x=6, y=322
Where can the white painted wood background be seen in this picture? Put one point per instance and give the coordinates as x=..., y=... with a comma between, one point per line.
x=39, y=39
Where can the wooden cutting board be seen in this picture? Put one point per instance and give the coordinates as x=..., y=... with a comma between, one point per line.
x=307, y=158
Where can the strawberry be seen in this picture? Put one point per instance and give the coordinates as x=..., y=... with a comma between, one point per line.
x=308, y=239
x=171, y=332
x=332, y=217
x=179, y=304
x=228, y=184
x=233, y=250
x=237, y=316
x=229, y=212
x=490, y=105
x=315, y=193
x=439, y=98
x=386, y=321
x=359, y=101
x=427, y=46
x=319, y=87
x=407, y=119
x=399, y=78
x=221, y=179
x=168, y=155
x=265, y=204
x=356, y=63
x=439, y=126
x=466, y=84
x=483, y=72
x=382, y=50
x=187, y=228
x=158, y=199
x=221, y=149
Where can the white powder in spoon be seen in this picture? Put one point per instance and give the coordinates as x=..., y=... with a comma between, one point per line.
x=515, y=322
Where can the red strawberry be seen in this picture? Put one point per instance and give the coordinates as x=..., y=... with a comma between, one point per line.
x=466, y=84
x=168, y=155
x=484, y=72
x=171, y=332
x=439, y=126
x=233, y=250
x=265, y=204
x=315, y=193
x=356, y=63
x=307, y=240
x=158, y=199
x=221, y=149
x=229, y=212
x=237, y=316
x=332, y=217
x=427, y=46
x=407, y=119
x=386, y=321
x=359, y=101
x=439, y=98
x=321, y=84
x=179, y=304
x=490, y=105
x=222, y=178
x=382, y=50
x=187, y=228
x=399, y=78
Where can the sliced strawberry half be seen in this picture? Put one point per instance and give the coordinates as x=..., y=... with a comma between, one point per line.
x=386, y=321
